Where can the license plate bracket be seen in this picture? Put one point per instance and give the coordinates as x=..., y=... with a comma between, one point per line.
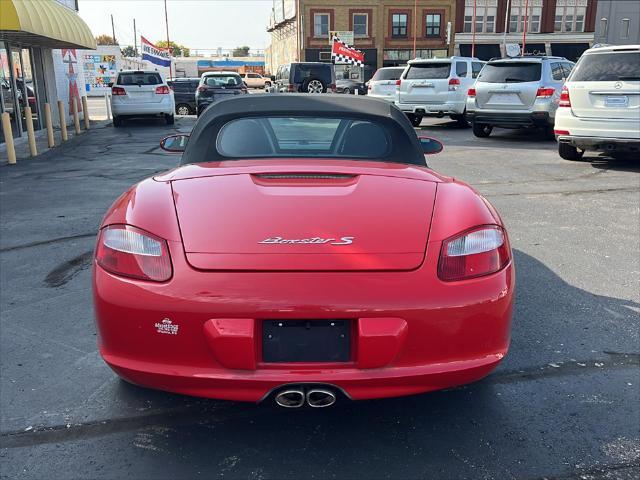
x=616, y=101
x=306, y=341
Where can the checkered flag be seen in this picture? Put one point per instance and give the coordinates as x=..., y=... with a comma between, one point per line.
x=343, y=54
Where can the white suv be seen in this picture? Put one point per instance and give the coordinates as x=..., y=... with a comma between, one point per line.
x=255, y=80
x=141, y=93
x=437, y=87
x=599, y=106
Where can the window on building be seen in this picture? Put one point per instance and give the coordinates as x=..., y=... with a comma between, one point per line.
x=360, y=24
x=399, y=22
x=321, y=25
x=603, y=27
x=624, y=31
x=570, y=15
x=519, y=13
x=433, y=22
x=485, y=16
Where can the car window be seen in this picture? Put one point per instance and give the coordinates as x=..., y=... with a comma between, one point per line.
x=139, y=78
x=434, y=71
x=461, y=69
x=222, y=80
x=510, y=72
x=475, y=69
x=567, y=67
x=557, y=72
x=599, y=67
x=303, y=136
x=388, y=74
x=254, y=75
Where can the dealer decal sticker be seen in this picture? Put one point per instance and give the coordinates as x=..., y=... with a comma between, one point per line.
x=167, y=327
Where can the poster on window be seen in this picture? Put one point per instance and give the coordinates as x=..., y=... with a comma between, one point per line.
x=100, y=70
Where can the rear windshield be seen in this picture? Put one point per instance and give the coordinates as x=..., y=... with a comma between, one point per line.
x=303, y=72
x=599, y=67
x=303, y=137
x=435, y=71
x=139, y=79
x=512, y=72
x=388, y=74
x=222, y=80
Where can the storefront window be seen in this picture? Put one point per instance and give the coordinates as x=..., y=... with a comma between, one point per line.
x=485, y=16
x=570, y=15
x=7, y=97
x=519, y=13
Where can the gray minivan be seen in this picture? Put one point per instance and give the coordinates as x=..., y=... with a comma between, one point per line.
x=517, y=92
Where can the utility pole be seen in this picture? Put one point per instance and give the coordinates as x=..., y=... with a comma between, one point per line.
x=113, y=31
x=415, y=26
x=135, y=38
x=166, y=21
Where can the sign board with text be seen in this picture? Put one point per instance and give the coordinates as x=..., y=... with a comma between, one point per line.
x=345, y=36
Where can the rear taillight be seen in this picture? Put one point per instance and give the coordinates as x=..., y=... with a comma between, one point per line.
x=202, y=88
x=474, y=253
x=561, y=132
x=454, y=83
x=398, y=82
x=545, y=92
x=332, y=87
x=291, y=87
x=118, y=91
x=162, y=90
x=471, y=92
x=131, y=252
x=369, y=87
x=565, y=100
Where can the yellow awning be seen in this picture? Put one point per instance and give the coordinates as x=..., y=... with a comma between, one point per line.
x=44, y=23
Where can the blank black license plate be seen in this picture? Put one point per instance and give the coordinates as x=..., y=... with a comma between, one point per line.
x=306, y=340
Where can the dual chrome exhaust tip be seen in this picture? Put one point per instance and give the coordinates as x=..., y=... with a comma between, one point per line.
x=296, y=398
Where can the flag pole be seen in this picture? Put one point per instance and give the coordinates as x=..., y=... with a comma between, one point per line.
x=166, y=21
x=473, y=31
x=415, y=26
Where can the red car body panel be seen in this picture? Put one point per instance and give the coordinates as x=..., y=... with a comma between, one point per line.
x=411, y=331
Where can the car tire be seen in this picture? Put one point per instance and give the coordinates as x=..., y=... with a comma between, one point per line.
x=346, y=90
x=183, y=109
x=415, y=120
x=314, y=85
x=267, y=84
x=569, y=152
x=461, y=119
x=481, y=130
x=117, y=121
x=170, y=119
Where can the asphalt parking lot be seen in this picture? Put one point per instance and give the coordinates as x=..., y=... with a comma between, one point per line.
x=565, y=403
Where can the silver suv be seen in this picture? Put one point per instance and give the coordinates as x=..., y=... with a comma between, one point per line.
x=517, y=92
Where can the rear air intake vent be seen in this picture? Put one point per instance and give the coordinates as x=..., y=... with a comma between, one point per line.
x=303, y=176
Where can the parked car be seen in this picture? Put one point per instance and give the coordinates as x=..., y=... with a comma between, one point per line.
x=348, y=86
x=184, y=91
x=437, y=87
x=306, y=77
x=383, y=83
x=517, y=92
x=215, y=86
x=302, y=253
x=255, y=80
x=599, y=105
x=141, y=93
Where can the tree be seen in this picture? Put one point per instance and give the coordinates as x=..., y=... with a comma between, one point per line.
x=176, y=50
x=105, y=40
x=129, y=51
x=241, y=51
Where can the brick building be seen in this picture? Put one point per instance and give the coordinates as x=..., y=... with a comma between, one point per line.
x=554, y=27
x=385, y=30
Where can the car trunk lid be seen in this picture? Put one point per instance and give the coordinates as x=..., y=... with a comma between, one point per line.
x=296, y=221
x=425, y=83
x=508, y=85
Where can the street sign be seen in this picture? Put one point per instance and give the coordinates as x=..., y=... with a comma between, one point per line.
x=345, y=36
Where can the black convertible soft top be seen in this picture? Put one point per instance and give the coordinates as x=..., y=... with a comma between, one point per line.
x=406, y=147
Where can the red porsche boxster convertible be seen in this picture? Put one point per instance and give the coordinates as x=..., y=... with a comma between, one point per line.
x=302, y=252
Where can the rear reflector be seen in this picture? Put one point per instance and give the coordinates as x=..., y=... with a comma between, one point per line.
x=118, y=91
x=471, y=92
x=545, y=92
x=473, y=254
x=130, y=252
x=565, y=100
x=561, y=132
x=162, y=90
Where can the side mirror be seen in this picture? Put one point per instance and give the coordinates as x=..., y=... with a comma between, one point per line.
x=174, y=143
x=430, y=146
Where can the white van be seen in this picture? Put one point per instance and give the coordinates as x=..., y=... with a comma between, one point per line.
x=437, y=87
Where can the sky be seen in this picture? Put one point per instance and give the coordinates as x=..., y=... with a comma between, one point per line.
x=197, y=24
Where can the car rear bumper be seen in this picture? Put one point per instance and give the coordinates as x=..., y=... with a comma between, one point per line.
x=433, y=109
x=389, y=98
x=411, y=333
x=608, y=134
x=164, y=107
x=508, y=119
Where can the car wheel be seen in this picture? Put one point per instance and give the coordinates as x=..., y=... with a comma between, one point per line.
x=313, y=85
x=183, y=109
x=481, y=130
x=415, y=120
x=569, y=152
x=170, y=119
x=267, y=84
x=117, y=121
x=346, y=90
x=461, y=120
